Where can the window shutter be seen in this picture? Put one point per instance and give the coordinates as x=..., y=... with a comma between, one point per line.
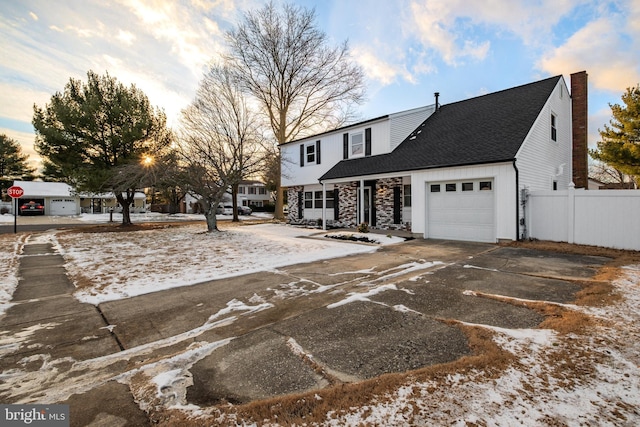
x=301, y=155
x=336, y=208
x=300, y=203
x=396, y=205
x=317, y=152
x=345, y=146
x=367, y=142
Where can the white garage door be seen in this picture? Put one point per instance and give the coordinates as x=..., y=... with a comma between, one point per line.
x=63, y=207
x=461, y=210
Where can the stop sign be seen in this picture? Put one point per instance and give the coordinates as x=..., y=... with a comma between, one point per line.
x=15, y=192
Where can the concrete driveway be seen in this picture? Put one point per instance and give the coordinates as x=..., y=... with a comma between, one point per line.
x=317, y=324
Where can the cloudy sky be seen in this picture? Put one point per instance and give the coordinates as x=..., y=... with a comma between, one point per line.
x=409, y=49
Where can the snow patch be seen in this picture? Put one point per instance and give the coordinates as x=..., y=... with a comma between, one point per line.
x=479, y=268
x=363, y=296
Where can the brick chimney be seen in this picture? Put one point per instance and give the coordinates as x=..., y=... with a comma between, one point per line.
x=579, y=118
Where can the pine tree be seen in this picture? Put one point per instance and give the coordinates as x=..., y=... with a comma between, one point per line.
x=13, y=162
x=620, y=143
x=95, y=136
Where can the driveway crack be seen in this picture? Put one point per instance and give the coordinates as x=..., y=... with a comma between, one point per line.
x=107, y=324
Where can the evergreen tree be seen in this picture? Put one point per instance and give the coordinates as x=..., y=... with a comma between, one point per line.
x=95, y=136
x=620, y=143
x=13, y=162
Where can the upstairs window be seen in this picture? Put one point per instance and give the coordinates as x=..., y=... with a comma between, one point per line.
x=554, y=132
x=357, y=144
x=311, y=153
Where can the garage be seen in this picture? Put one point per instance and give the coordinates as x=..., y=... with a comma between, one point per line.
x=461, y=210
x=63, y=207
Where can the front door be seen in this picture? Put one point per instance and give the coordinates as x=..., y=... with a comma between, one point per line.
x=365, y=216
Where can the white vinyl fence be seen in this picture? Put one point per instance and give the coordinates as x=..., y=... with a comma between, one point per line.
x=608, y=218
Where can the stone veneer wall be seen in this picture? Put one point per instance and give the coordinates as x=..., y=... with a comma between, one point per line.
x=347, y=197
x=292, y=199
x=384, y=203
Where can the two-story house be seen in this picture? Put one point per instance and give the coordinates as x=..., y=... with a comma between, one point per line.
x=253, y=193
x=306, y=160
x=457, y=175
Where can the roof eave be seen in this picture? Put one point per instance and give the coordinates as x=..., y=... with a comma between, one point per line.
x=414, y=169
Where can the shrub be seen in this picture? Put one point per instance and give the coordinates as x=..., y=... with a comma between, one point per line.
x=363, y=227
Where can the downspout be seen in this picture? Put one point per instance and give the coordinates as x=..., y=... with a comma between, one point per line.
x=515, y=167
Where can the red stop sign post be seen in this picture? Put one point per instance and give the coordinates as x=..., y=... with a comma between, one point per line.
x=15, y=193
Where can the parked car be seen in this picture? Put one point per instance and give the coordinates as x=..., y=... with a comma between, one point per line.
x=224, y=209
x=32, y=208
x=244, y=210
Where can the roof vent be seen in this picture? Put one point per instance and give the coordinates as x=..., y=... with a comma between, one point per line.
x=437, y=95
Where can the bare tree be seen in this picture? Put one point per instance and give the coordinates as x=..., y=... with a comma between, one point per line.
x=608, y=174
x=303, y=84
x=221, y=141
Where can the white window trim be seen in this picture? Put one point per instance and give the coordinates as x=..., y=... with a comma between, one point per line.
x=306, y=154
x=553, y=117
x=351, y=144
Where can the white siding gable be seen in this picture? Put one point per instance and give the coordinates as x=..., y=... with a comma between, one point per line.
x=386, y=134
x=540, y=160
x=331, y=152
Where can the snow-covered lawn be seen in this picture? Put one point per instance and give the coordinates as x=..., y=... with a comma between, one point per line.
x=111, y=266
x=100, y=218
x=584, y=378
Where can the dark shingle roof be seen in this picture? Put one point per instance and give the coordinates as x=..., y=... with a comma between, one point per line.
x=485, y=129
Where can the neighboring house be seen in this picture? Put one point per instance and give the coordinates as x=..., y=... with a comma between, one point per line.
x=60, y=199
x=253, y=193
x=57, y=197
x=457, y=175
x=594, y=184
x=250, y=193
x=106, y=202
